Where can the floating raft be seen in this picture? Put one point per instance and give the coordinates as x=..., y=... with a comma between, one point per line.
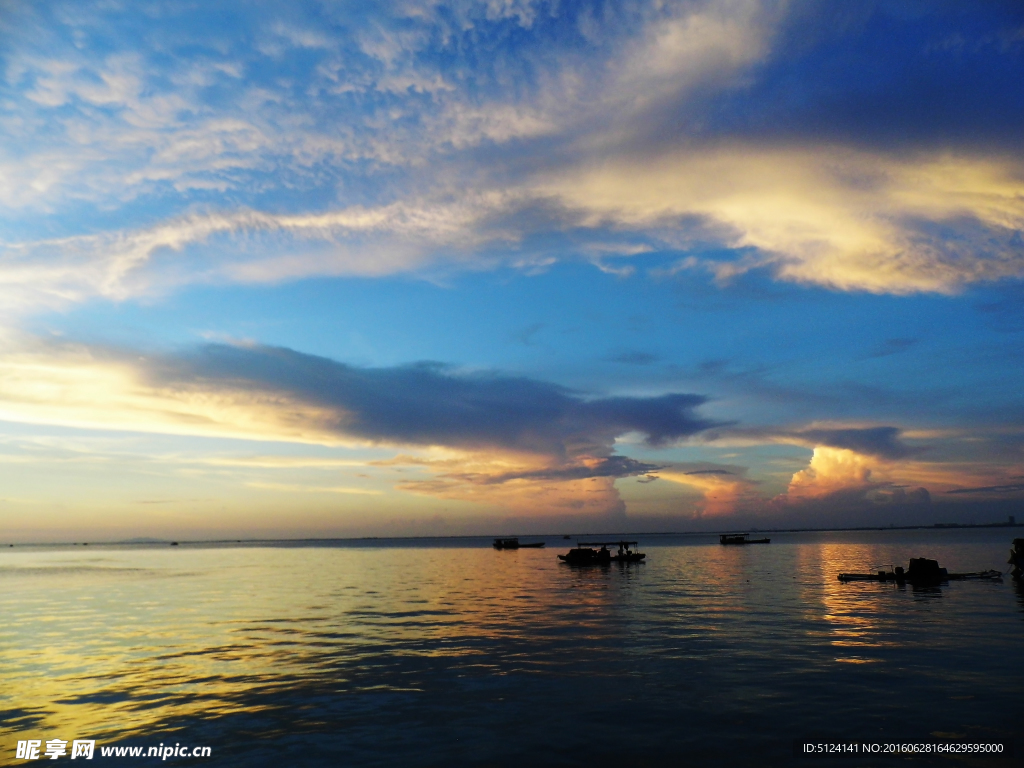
x=513, y=543
x=741, y=538
x=890, y=576
x=921, y=571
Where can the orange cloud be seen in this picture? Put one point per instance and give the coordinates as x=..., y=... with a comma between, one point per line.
x=832, y=470
x=724, y=494
x=527, y=484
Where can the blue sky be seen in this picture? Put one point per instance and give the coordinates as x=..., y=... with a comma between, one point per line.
x=342, y=269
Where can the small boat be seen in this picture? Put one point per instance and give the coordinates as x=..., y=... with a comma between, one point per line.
x=1017, y=559
x=628, y=555
x=741, y=538
x=922, y=572
x=585, y=554
x=513, y=543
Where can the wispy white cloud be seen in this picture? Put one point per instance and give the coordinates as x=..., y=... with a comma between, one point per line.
x=413, y=157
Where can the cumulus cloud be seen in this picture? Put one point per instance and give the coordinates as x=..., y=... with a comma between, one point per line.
x=726, y=489
x=830, y=471
x=839, y=481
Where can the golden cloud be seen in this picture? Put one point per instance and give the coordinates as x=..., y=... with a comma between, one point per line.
x=826, y=215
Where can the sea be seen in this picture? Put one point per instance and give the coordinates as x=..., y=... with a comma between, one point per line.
x=447, y=652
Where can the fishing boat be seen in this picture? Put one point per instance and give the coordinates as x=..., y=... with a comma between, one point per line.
x=741, y=538
x=513, y=543
x=922, y=572
x=585, y=554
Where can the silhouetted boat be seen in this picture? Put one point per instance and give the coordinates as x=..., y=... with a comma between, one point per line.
x=585, y=554
x=514, y=544
x=628, y=555
x=922, y=572
x=1017, y=559
x=741, y=538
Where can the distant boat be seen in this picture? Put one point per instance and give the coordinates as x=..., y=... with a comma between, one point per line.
x=513, y=543
x=741, y=538
x=585, y=554
x=922, y=572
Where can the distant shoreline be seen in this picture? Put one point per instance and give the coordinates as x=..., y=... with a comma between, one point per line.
x=148, y=542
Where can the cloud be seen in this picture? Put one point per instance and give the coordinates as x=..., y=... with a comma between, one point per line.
x=831, y=216
x=883, y=442
x=114, y=265
x=582, y=485
x=875, y=441
x=467, y=136
x=514, y=435
x=292, y=488
x=832, y=470
x=990, y=489
x=826, y=216
x=612, y=466
x=280, y=393
x=194, y=121
x=841, y=481
x=431, y=404
x=726, y=491
x=634, y=358
x=721, y=496
x=891, y=347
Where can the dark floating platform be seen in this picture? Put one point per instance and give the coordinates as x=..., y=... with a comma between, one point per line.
x=741, y=538
x=922, y=571
x=513, y=543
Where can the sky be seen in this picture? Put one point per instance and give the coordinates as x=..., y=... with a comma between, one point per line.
x=316, y=269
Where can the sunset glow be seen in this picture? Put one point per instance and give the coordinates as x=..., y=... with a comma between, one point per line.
x=313, y=270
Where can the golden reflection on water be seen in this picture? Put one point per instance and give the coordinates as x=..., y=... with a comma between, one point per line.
x=857, y=628
x=122, y=641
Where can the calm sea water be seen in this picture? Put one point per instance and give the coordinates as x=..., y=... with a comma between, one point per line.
x=439, y=652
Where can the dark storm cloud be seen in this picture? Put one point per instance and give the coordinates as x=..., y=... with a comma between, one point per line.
x=876, y=441
x=431, y=404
